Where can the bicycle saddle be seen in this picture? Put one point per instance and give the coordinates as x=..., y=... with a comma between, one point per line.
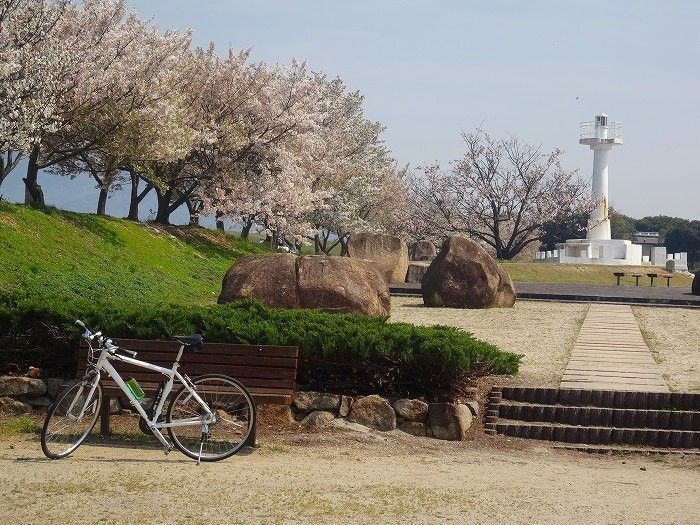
x=193, y=343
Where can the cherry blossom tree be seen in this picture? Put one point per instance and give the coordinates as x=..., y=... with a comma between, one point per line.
x=501, y=193
x=29, y=76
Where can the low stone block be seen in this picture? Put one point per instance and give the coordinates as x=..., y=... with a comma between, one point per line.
x=21, y=386
x=416, y=271
x=411, y=409
x=374, y=412
x=413, y=427
x=114, y=406
x=449, y=421
x=310, y=401
x=318, y=419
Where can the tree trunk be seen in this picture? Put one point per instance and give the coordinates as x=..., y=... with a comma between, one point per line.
x=33, y=195
x=163, y=213
x=245, y=232
x=344, y=246
x=219, y=221
x=317, y=244
x=193, y=209
x=134, y=200
x=102, y=200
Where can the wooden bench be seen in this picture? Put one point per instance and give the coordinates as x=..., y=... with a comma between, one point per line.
x=667, y=276
x=628, y=274
x=269, y=372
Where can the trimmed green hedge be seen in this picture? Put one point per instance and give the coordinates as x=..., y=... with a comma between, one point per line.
x=341, y=353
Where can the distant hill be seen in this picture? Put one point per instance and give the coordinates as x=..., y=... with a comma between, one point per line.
x=48, y=252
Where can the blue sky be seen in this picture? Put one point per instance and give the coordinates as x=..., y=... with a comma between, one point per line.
x=429, y=70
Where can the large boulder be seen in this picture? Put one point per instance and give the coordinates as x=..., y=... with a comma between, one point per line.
x=463, y=275
x=269, y=278
x=373, y=412
x=423, y=251
x=695, y=290
x=341, y=284
x=411, y=409
x=308, y=401
x=389, y=252
x=333, y=284
x=449, y=421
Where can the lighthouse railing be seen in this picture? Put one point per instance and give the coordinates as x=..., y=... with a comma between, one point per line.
x=588, y=130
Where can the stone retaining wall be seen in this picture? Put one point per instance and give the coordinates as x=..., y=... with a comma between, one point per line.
x=449, y=421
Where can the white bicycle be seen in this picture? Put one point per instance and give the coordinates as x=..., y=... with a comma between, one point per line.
x=210, y=418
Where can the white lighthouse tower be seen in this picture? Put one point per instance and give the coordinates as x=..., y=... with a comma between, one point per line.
x=602, y=136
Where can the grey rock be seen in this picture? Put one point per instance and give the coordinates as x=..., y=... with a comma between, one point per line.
x=413, y=427
x=373, y=412
x=411, y=409
x=449, y=421
x=21, y=386
x=345, y=406
x=36, y=402
x=53, y=385
x=423, y=251
x=347, y=425
x=473, y=407
x=309, y=401
x=318, y=419
x=10, y=405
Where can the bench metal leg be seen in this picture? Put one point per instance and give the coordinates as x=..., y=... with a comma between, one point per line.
x=252, y=438
x=618, y=279
x=637, y=282
x=652, y=281
x=668, y=282
x=104, y=416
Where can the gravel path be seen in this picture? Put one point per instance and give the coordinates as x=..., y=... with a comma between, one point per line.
x=673, y=335
x=543, y=332
x=349, y=479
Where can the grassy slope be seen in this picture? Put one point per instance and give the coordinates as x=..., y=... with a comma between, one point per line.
x=65, y=254
x=585, y=273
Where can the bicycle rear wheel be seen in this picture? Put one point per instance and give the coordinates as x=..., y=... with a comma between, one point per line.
x=64, y=428
x=234, y=412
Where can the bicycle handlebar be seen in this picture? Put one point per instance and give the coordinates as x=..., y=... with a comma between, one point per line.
x=107, y=343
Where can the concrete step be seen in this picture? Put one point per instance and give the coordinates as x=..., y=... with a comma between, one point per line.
x=601, y=417
x=600, y=435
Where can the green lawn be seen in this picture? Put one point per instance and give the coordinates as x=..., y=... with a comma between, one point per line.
x=531, y=272
x=64, y=254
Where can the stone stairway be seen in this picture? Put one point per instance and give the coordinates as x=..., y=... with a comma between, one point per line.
x=607, y=418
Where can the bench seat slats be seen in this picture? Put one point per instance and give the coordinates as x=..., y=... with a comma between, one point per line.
x=166, y=359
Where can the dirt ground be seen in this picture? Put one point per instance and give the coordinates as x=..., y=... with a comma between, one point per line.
x=543, y=332
x=347, y=478
x=673, y=335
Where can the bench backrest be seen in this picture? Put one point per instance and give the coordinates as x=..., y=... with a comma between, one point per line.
x=269, y=372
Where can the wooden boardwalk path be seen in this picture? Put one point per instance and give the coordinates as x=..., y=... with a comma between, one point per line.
x=610, y=354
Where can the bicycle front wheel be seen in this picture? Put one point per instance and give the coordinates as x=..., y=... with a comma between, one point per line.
x=70, y=419
x=234, y=418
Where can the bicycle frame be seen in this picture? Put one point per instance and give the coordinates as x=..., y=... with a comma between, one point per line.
x=103, y=364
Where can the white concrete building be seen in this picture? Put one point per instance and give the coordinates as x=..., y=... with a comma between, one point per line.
x=602, y=136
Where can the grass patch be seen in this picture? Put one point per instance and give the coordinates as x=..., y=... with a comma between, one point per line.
x=19, y=425
x=60, y=254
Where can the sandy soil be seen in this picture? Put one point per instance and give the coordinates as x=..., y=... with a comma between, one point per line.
x=673, y=335
x=543, y=332
x=347, y=478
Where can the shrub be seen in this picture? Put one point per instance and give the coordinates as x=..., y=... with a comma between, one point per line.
x=341, y=353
